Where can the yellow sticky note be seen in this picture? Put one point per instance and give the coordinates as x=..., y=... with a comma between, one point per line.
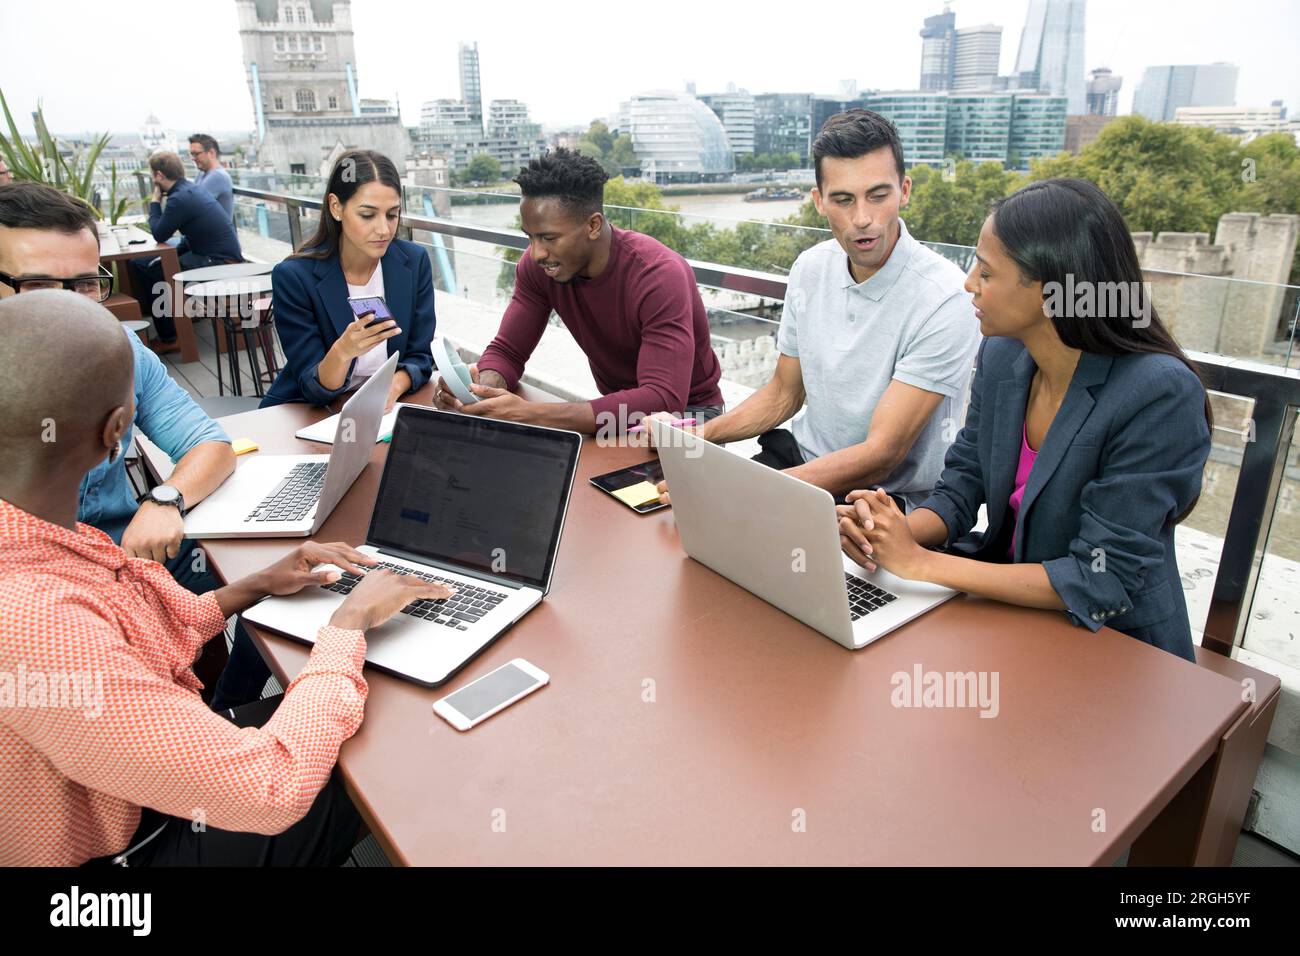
x=636, y=495
x=242, y=446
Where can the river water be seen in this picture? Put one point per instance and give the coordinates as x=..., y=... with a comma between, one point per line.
x=721, y=210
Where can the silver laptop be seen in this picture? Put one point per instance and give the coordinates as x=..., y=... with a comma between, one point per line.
x=470, y=502
x=778, y=538
x=278, y=496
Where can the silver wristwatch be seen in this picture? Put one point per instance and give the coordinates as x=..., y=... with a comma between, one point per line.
x=166, y=495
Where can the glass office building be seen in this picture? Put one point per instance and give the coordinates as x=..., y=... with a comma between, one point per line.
x=1164, y=89
x=979, y=127
x=1050, y=57
x=783, y=123
x=736, y=111
x=1037, y=128
x=922, y=121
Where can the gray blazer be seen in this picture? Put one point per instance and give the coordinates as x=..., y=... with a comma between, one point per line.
x=1121, y=461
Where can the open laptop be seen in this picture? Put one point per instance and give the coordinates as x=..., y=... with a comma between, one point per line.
x=778, y=538
x=471, y=502
x=278, y=496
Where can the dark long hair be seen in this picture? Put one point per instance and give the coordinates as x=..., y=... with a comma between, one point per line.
x=353, y=170
x=1067, y=231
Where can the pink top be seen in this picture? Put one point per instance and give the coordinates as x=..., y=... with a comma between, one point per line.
x=1027, y=457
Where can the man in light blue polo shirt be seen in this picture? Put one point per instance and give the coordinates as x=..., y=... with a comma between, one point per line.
x=877, y=339
x=48, y=240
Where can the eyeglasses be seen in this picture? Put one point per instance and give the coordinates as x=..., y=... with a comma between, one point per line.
x=98, y=287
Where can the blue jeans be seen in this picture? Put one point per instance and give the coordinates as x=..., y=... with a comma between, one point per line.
x=245, y=674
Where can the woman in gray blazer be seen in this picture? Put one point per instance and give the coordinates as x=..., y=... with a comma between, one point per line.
x=1085, y=437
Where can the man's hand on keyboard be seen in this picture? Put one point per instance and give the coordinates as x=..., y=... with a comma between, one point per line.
x=380, y=595
x=294, y=572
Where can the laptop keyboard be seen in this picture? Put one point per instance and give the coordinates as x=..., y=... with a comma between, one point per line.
x=457, y=612
x=294, y=497
x=865, y=597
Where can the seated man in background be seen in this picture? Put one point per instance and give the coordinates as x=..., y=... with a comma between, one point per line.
x=119, y=755
x=630, y=302
x=207, y=238
x=48, y=240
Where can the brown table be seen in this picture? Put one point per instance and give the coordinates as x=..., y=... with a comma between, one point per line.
x=758, y=722
x=170, y=265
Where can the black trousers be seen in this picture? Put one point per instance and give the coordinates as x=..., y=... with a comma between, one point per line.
x=781, y=451
x=324, y=837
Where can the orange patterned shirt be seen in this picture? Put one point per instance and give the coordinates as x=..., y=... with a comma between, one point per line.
x=100, y=712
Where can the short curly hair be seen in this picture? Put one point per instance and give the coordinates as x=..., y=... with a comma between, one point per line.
x=577, y=180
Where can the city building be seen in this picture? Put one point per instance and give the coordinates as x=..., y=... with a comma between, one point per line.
x=735, y=109
x=1008, y=127
x=677, y=138
x=825, y=106
x=302, y=75
x=1165, y=88
x=447, y=121
x=1037, y=128
x=921, y=119
x=938, y=40
x=783, y=124
x=1244, y=122
x=508, y=119
x=454, y=129
x=1103, y=92
x=153, y=136
x=976, y=52
x=471, y=88
x=450, y=129
x=979, y=127
x=1050, y=57
x=1082, y=130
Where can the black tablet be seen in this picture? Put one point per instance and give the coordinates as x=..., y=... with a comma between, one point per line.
x=620, y=485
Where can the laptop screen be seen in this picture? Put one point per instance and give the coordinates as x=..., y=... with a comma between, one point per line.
x=476, y=493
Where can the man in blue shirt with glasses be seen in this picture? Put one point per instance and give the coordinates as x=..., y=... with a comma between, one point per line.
x=49, y=240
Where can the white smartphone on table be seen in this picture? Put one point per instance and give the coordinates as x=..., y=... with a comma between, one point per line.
x=491, y=693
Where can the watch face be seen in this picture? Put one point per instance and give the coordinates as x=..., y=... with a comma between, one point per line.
x=165, y=493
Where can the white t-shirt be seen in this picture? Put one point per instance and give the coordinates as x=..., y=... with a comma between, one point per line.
x=370, y=363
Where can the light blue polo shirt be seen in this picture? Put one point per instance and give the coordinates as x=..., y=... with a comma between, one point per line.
x=168, y=417
x=911, y=321
x=217, y=182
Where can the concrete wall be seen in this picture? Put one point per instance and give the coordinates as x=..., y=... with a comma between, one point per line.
x=310, y=141
x=1204, y=309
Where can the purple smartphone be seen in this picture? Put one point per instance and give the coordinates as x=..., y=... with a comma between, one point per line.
x=370, y=304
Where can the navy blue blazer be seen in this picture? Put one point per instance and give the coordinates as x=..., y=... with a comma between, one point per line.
x=1122, y=460
x=311, y=312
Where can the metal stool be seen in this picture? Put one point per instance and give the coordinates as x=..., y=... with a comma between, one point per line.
x=254, y=331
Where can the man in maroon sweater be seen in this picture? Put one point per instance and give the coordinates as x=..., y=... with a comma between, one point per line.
x=630, y=302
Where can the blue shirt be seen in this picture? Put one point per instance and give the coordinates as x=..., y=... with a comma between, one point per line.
x=168, y=417
x=205, y=227
x=217, y=182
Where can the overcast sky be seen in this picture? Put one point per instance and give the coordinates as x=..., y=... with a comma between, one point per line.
x=100, y=66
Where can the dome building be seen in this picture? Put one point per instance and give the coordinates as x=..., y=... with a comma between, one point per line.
x=677, y=138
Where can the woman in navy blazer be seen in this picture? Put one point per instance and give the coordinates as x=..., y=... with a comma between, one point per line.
x=1086, y=435
x=322, y=338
